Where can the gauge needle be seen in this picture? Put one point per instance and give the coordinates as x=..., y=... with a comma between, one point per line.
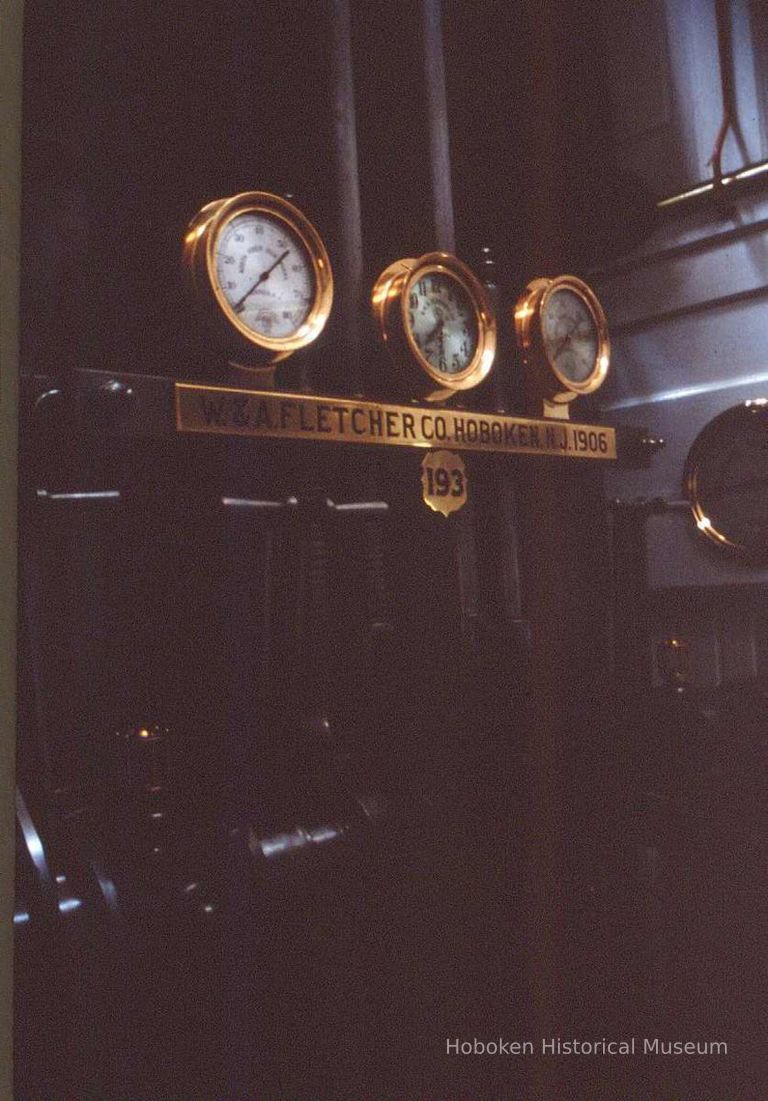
x=563, y=343
x=436, y=332
x=262, y=279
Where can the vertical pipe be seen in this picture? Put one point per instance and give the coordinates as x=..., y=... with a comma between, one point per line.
x=729, y=119
x=437, y=123
x=445, y=238
x=349, y=265
x=10, y=182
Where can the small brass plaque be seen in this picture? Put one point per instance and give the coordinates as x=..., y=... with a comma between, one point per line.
x=228, y=411
x=444, y=481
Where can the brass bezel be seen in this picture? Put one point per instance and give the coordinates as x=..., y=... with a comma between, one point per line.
x=390, y=308
x=554, y=386
x=199, y=257
x=726, y=424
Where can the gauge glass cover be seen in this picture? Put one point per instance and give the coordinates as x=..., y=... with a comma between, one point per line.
x=443, y=323
x=570, y=335
x=264, y=274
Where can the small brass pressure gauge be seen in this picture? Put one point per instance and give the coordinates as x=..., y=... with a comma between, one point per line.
x=438, y=324
x=562, y=332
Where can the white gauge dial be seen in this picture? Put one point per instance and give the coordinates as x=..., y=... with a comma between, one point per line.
x=265, y=274
x=442, y=322
x=570, y=335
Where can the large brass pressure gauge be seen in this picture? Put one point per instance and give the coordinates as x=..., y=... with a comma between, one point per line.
x=260, y=275
x=561, y=329
x=438, y=324
x=726, y=480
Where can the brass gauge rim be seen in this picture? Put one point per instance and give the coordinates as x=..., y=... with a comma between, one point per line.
x=390, y=307
x=200, y=246
x=730, y=423
x=702, y=520
x=528, y=316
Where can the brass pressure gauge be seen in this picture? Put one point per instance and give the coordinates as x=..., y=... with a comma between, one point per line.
x=260, y=275
x=438, y=324
x=562, y=332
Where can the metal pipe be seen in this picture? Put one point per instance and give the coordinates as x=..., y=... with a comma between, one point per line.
x=676, y=252
x=737, y=184
x=729, y=120
x=445, y=238
x=34, y=844
x=248, y=503
x=79, y=495
x=437, y=123
x=360, y=506
x=349, y=265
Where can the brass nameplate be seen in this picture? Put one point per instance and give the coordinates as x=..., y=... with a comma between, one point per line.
x=443, y=481
x=232, y=412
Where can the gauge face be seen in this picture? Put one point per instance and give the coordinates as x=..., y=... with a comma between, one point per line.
x=727, y=479
x=265, y=274
x=442, y=322
x=570, y=335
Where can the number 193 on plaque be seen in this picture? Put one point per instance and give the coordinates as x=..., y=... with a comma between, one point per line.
x=443, y=481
